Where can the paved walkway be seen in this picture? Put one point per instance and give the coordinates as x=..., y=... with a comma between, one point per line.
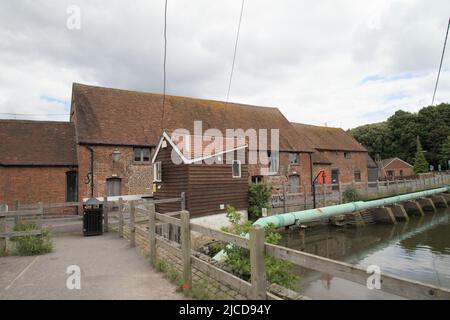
x=110, y=269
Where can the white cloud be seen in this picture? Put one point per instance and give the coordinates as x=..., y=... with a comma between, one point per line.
x=308, y=58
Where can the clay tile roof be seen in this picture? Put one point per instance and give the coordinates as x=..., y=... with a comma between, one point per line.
x=37, y=143
x=385, y=162
x=328, y=138
x=114, y=116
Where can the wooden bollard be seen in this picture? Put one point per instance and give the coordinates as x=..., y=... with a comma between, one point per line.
x=186, y=250
x=257, y=262
x=120, y=227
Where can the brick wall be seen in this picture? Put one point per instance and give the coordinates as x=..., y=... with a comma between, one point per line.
x=346, y=166
x=31, y=185
x=303, y=169
x=136, y=178
x=397, y=165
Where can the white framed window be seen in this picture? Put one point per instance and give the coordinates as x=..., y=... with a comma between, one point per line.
x=236, y=167
x=273, y=161
x=141, y=154
x=157, y=171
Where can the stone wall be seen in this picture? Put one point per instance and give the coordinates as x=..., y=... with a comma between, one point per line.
x=214, y=289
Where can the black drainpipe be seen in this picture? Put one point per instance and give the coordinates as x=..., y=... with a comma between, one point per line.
x=91, y=174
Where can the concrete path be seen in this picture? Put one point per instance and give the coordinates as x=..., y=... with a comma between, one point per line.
x=110, y=269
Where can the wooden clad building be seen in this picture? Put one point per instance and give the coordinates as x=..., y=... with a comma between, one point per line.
x=209, y=187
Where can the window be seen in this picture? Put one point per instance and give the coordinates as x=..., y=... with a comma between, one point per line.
x=141, y=154
x=357, y=174
x=294, y=158
x=71, y=186
x=390, y=173
x=157, y=171
x=294, y=183
x=273, y=161
x=257, y=179
x=401, y=173
x=113, y=187
x=347, y=155
x=236, y=169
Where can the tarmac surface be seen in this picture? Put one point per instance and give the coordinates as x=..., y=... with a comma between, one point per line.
x=109, y=268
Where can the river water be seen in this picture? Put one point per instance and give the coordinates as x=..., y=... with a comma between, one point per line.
x=418, y=250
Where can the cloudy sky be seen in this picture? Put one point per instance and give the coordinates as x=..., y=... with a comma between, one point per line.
x=343, y=63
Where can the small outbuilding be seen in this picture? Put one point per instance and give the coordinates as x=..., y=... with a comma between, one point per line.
x=212, y=176
x=395, y=169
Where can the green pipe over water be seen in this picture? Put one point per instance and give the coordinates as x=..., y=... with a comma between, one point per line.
x=289, y=219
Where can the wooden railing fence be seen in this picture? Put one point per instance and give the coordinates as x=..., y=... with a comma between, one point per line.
x=257, y=288
x=35, y=215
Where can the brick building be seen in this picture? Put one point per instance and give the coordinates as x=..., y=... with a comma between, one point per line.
x=108, y=146
x=342, y=158
x=128, y=124
x=38, y=162
x=394, y=169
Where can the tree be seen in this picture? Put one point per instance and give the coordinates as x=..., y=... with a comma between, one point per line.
x=420, y=163
x=445, y=152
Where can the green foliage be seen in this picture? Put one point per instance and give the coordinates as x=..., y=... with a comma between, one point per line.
x=238, y=259
x=420, y=163
x=258, y=198
x=351, y=195
x=445, y=152
x=396, y=137
x=170, y=273
x=31, y=245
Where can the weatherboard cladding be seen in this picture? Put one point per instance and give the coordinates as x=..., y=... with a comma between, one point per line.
x=206, y=186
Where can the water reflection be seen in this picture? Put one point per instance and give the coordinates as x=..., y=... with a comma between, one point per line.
x=418, y=249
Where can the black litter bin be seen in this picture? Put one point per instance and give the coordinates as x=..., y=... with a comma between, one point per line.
x=92, y=218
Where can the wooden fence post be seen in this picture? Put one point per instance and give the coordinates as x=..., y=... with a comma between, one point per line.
x=305, y=196
x=40, y=215
x=120, y=227
x=186, y=250
x=285, y=207
x=105, y=213
x=258, y=267
x=152, y=233
x=16, y=208
x=132, y=225
x=183, y=201
x=3, y=212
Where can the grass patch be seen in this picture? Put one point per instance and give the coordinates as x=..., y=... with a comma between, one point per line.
x=31, y=245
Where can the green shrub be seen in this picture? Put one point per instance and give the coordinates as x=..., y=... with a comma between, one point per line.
x=238, y=259
x=351, y=195
x=31, y=245
x=258, y=198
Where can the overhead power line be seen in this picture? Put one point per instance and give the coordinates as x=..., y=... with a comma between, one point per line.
x=440, y=65
x=235, y=51
x=164, y=63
